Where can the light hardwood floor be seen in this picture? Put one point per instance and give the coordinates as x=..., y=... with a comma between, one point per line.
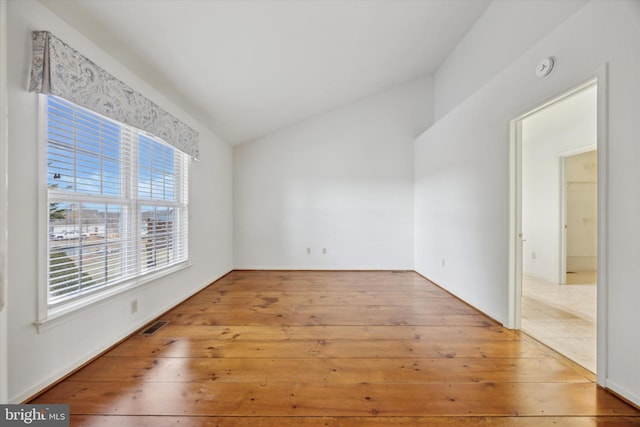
x=333, y=349
x=563, y=316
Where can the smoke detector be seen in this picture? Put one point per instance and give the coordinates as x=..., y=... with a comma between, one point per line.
x=544, y=67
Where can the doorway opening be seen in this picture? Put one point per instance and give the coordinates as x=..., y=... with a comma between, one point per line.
x=556, y=256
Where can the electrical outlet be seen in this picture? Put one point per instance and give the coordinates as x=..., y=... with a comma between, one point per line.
x=134, y=306
x=308, y=251
x=443, y=262
x=533, y=255
x=324, y=251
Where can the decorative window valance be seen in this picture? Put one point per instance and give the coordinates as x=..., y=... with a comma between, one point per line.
x=59, y=70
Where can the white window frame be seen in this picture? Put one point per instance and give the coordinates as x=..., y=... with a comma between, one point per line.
x=48, y=315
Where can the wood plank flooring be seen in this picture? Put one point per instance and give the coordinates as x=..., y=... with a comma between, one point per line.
x=337, y=349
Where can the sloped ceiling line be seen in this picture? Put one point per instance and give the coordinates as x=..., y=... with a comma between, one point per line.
x=248, y=68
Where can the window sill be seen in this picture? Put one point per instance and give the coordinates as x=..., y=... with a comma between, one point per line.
x=69, y=311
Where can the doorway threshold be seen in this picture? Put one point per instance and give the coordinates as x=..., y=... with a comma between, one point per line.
x=562, y=317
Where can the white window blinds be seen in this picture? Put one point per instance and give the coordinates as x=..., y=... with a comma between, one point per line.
x=117, y=201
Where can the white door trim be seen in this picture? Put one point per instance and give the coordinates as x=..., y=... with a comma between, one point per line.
x=602, y=356
x=515, y=214
x=515, y=224
x=4, y=331
x=562, y=238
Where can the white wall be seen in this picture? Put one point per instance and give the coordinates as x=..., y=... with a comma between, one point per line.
x=461, y=172
x=503, y=32
x=342, y=181
x=37, y=359
x=565, y=127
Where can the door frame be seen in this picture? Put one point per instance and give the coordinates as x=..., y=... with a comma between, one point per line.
x=600, y=77
x=4, y=331
x=562, y=161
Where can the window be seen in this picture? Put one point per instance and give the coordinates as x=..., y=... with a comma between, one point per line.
x=117, y=201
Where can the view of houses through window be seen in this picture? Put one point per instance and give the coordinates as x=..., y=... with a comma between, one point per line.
x=117, y=202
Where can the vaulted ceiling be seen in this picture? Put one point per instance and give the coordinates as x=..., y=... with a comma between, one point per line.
x=248, y=68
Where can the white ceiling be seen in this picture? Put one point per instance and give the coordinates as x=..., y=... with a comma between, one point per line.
x=248, y=68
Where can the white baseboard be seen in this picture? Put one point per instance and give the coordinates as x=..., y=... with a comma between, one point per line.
x=623, y=392
x=61, y=373
x=540, y=277
x=325, y=268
